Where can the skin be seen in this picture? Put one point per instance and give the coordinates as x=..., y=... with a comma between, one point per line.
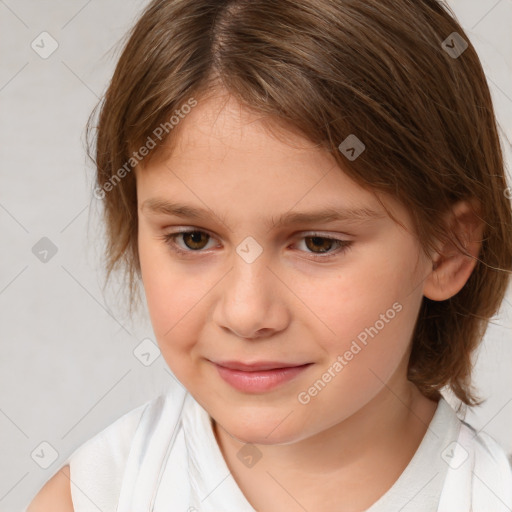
x=55, y=495
x=286, y=305
x=289, y=305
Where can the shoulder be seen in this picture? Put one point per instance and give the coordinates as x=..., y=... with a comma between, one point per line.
x=488, y=455
x=491, y=452
x=111, y=444
x=55, y=495
x=105, y=455
x=95, y=468
x=480, y=478
x=492, y=473
x=479, y=473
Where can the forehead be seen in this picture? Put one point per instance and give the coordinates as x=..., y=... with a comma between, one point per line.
x=220, y=135
x=245, y=159
x=221, y=123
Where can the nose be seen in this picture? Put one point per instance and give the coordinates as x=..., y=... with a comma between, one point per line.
x=252, y=302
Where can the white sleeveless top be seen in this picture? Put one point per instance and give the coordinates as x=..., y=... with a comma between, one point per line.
x=163, y=456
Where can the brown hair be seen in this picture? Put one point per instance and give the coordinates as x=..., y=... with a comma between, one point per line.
x=330, y=68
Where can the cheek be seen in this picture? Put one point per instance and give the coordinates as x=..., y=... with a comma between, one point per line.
x=346, y=303
x=172, y=291
x=366, y=313
x=174, y=303
x=371, y=342
x=366, y=316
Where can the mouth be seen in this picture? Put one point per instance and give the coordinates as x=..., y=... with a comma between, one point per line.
x=258, y=377
x=257, y=365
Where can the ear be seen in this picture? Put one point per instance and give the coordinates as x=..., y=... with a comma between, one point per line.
x=451, y=268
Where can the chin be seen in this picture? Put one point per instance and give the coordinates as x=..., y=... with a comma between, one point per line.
x=260, y=430
x=261, y=436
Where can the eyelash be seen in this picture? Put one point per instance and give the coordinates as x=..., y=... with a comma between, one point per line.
x=343, y=245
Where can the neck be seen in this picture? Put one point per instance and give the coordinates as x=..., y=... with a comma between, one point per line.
x=385, y=432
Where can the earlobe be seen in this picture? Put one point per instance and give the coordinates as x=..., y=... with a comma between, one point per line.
x=451, y=268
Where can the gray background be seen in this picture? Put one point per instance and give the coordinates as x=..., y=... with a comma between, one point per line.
x=67, y=368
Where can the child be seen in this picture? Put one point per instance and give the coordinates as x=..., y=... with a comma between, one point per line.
x=313, y=195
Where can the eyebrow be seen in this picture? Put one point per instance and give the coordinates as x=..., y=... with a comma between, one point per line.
x=329, y=214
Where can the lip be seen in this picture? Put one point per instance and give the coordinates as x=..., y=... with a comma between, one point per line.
x=258, y=377
x=257, y=365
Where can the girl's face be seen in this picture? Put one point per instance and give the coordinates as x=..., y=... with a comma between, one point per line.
x=259, y=281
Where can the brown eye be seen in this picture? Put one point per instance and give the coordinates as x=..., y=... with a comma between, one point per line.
x=195, y=239
x=322, y=248
x=319, y=244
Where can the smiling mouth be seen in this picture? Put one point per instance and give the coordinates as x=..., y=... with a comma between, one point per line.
x=257, y=366
x=256, y=378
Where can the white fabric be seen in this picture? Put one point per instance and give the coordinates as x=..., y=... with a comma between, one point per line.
x=483, y=483
x=419, y=486
x=163, y=456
